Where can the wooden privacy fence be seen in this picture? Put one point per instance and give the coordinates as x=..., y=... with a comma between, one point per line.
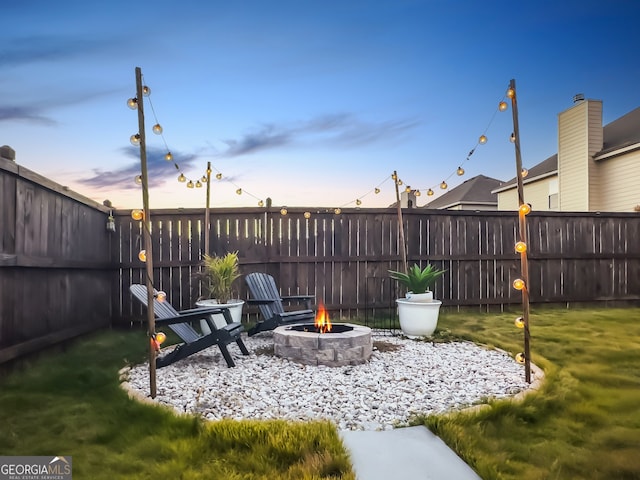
x=56, y=275
x=343, y=258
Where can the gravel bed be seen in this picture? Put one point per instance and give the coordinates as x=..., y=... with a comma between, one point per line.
x=403, y=378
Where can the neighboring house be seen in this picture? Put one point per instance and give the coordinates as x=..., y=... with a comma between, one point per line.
x=596, y=168
x=474, y=194
x=407, y=200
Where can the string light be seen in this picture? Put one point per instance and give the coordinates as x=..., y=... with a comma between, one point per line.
x=502, y=106
x=190, y=184
x=520, y=358
x=525, y=172
x=460, y=171
x=168, y=157
x=482, y=140
x=430, y=193
x=198, y=184
x=519, y=322
x=142, y=255
x=135, y=139
x=132, y=103
x=137, y=214
x=524, y=209
x=182, y=178
x=283, y=211
x=138, y=179
x=443, y=185
x=518, y=284
x=512, y=137
x=520, y=247
x=157, y=129
x=307, y=214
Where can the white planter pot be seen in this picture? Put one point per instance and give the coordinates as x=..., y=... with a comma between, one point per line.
x=418, y=319
x=420, y=297
x=235, y=308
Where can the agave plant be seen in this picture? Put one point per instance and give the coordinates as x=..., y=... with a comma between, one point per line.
x=417, y=280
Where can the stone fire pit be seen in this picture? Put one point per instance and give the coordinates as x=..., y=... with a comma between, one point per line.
x=346, y=344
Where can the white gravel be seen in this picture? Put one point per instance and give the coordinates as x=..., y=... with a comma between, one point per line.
x=418, y=378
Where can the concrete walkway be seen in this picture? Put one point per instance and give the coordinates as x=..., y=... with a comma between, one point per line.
x=412, y=453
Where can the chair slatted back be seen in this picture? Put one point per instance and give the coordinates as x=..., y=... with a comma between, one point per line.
x=165, y=310
x=263, y=287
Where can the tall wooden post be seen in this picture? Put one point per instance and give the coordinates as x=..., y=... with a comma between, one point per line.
x=403, y=247
x=207, y=218
x=146, y=222
x=522, y=223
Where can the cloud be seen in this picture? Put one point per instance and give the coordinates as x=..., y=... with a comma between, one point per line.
x=159, y=170
x=30, y=114
x=339, y=130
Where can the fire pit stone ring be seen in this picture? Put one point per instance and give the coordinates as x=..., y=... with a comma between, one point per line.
x=346, y=344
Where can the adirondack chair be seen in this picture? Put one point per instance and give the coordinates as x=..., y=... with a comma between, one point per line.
x=194, y=341
x=264, y=291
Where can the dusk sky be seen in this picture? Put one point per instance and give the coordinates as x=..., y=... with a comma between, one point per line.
x=309, y=103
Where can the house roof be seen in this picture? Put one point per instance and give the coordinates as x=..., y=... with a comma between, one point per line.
x=618, y=134
x=476, y=190
x=541, y=170
x=622, y=132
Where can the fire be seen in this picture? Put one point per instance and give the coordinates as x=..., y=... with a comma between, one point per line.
x=322, y=323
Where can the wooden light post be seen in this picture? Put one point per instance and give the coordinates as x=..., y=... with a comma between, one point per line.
x=146, y=231
x=523, y=210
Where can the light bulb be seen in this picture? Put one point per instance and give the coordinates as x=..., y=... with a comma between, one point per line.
x=337, y=211
x=394, y=176
x=511, y=93
x=146, y=91
x=417, y=193
x=512, y=137
x=138, y=179
x=502, y=106
x=239, y=191
x=407, y=189
x=137, y=214
x=519, y=322
x=142, y=255
x=518, y=284
x=157, y=129
x=399, y=182
x=182, y=178
x=219, y=176
x=283, y=211
x=483, y=139
x=161, y=337
x=204, y=179
x=443, y=185
x=261, y=203
x=460, y=171
x=161, y=296
x=168, y=157
x=521, y=247
x=135, y=139
x=430, y=193
x=358, y=202
x=524, y=172
x=198, y=184
x=189, y=184
x=524, y=209
x=307, y=214
x=520, y=358
x=376, y=190
x=132, y=103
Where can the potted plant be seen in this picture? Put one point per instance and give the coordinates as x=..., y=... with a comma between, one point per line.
x=418, y=311
x=218, y=276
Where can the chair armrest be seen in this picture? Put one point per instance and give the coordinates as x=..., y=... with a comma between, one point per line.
x=306, y=299
x=195, y=314
x=263, y=301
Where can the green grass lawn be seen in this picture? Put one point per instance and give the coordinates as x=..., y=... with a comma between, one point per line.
x=71, y=404
x=584, y=423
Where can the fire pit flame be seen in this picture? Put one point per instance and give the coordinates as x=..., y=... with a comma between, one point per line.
x=322, y=322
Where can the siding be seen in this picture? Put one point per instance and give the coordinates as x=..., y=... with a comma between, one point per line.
x=535, y=193
x=619, y=183
x=573, y=173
